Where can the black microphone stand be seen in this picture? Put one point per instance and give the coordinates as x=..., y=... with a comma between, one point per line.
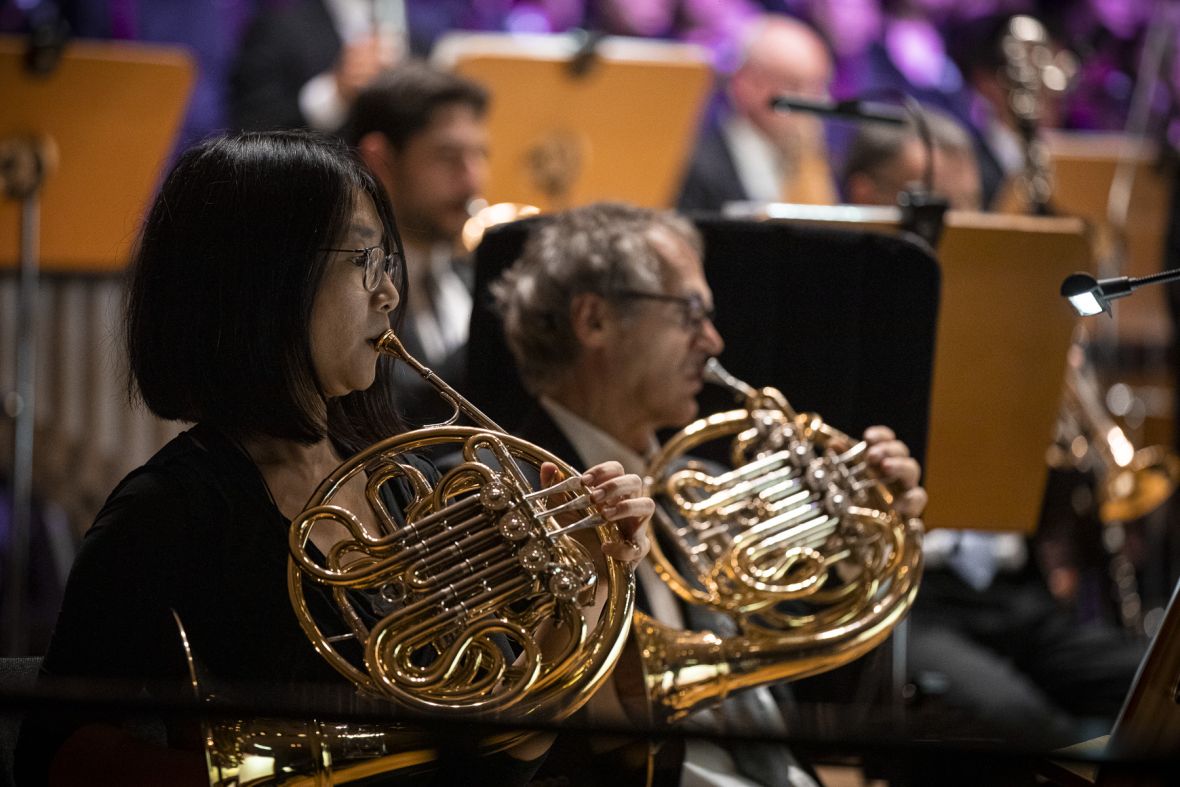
x=922, y=210
x=24, y=162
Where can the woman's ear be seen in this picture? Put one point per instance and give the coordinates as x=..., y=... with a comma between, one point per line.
x=590, y=316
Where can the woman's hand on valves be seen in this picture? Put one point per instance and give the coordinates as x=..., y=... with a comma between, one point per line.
x=618, y=496
x=891, y=460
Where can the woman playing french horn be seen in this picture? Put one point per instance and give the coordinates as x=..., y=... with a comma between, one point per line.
x=267, y=269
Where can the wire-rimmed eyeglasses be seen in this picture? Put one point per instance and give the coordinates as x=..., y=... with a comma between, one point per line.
x=374, y=260
x=693, y=310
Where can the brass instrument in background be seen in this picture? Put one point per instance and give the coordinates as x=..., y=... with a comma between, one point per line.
x=798, y=543
x=485, y=216
x=480, y=559
x=1130, y=483
x=1033, y=75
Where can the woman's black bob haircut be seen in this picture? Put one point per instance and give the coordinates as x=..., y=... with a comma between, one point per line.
x=222, y=282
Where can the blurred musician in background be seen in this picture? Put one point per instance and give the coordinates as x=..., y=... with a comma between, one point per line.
x=1017, y=76
x=608, y=316
x=301, y=65
x=266, y=270
x=987, y=638
x=422, y=133
x=885, y=160
x=752, y=152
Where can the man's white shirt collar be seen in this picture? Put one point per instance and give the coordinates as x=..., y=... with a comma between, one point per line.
x=760, y=166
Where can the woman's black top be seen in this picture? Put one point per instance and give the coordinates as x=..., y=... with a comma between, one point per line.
x=194, y=530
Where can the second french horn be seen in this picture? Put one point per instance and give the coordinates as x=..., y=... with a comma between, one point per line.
x=798, y=543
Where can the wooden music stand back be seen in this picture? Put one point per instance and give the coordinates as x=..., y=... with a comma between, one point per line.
x=112, y=110
x=620, y=130
x=999, y=365
x=998, y=371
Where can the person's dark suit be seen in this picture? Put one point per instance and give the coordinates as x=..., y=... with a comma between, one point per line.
x=767, y=764
x=712, y=178
x=991, y=172
x=282, y=50
x=418, y=401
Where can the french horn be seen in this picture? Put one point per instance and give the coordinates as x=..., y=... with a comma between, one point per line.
x=1131, y=482
x=798, y=543
x=490, y=604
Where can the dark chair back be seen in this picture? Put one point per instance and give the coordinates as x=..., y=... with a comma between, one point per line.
x=17, y=675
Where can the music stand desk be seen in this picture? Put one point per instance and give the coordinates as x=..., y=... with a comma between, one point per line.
x=616, y=125
x=113, y=111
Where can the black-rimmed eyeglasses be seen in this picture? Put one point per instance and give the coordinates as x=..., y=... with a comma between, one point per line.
x=693, y=310
x=373, y=260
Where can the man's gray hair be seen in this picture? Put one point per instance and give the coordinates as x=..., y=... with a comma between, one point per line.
x=602, y=248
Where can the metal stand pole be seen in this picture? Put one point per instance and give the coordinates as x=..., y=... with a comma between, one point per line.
x=23, y=163
x=899, y=671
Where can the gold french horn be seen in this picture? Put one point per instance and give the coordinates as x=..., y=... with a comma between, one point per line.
x=477, y=560
x=1131, y=482
x=798, y=543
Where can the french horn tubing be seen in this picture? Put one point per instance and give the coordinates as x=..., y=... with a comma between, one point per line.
x=798, y=543
x=489, y=602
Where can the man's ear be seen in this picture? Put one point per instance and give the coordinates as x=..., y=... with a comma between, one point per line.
x=742, y=89
x=589, y=318
x=379, y=156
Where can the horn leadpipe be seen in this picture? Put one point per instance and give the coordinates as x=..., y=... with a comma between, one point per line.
x=390, y=344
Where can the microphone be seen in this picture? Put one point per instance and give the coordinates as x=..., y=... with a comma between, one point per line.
x=848, y=110
x=922, y=210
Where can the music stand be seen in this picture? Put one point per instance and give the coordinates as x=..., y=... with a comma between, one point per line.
x=574, y=120
x=1147, y=729
x=104, y=120
x=1149, y=723
x=1003, y=334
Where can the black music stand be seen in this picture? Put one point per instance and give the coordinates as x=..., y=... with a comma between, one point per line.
x=1142, y=747
x=843, y=322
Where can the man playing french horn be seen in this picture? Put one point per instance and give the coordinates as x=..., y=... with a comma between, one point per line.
x=608, y=315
